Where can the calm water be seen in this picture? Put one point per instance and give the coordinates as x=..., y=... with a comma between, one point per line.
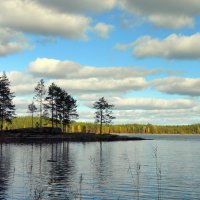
x=113, y=170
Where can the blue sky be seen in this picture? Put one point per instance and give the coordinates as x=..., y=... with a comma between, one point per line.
x=143, y=56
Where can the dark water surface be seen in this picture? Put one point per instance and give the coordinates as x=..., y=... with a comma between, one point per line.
x=107, y=170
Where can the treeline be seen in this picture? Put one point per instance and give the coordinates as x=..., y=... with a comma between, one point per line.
x=26, y=122
x=53, y=103
x=57, y=108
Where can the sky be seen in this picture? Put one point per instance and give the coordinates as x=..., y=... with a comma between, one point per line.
x=141, y=55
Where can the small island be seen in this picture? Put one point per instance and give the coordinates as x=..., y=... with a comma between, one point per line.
x=48, y=134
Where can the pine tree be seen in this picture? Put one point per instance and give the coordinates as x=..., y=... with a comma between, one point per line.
x=67, y=109
x=7, y=108
x=51, y=102
x=62, y=106
x=103, y=115
x=32, y=108
x=40, y=92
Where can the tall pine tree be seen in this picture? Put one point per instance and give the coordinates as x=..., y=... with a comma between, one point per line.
x=61, y=105
x=40, y=92
x=67, y=109
x=103, y=115
x=32, y=108
x=51, y=102
x=7, y=108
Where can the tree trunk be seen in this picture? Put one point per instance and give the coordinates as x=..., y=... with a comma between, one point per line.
x=2, y=119
x=52, y=118
x=56, y=116
x=63, y=121
x=64, y=127
x=101, y=122
x=52, y=121
x=2, y=122
x=40, y=114
x=32, y=119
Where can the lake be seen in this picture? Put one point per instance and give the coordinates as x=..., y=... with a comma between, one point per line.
x=167, y=167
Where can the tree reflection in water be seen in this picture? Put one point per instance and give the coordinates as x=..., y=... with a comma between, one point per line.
x=4, y=170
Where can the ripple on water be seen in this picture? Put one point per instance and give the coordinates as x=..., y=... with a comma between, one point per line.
x=101, y=171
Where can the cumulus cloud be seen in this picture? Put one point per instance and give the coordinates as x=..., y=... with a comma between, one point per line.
x=21, y=105
x=78, y=79
x=147, y=110
x=31, y=17
x=162, y=117
x=168, y=20
x=102, y=85
x=22, y=83
x=103, y=30
x=52, y=68
x=160, y=11
x=171, y=47
x=153, y=104
x=79, y=6
x=156, y=111
x=70, y=19
x=11, y=42
x=161, y=6
x=86, y=116
x=176, y=85
x=145, y=104
x=127, y=110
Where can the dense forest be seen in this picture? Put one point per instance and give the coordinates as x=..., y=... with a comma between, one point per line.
x=25, y=122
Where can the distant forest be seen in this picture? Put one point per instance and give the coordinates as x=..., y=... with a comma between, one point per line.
x=25, y=122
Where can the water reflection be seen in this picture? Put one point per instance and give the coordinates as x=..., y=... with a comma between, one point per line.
x=4, y=170
x=98, y=170
x=45, y=169
x=61, y=171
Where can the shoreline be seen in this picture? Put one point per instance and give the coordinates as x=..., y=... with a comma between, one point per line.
x=56, y=135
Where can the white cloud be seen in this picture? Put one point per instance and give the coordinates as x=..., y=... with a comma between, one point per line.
x=179, y=7
x=139, y=103
x=102, y=85
x=176, y=85
x=11, y=42
x=149, y=110
x=127, y=110
x=79, y=6
x=156, y=111
x=168, y=20
x=103, y=30
x=171, y=47
x=52, y=68
x=162, y=117
x=153, y=104
x=86, y=116
x=30, y=17
x=21, y=105
x=160, y=11
x=22, y=83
